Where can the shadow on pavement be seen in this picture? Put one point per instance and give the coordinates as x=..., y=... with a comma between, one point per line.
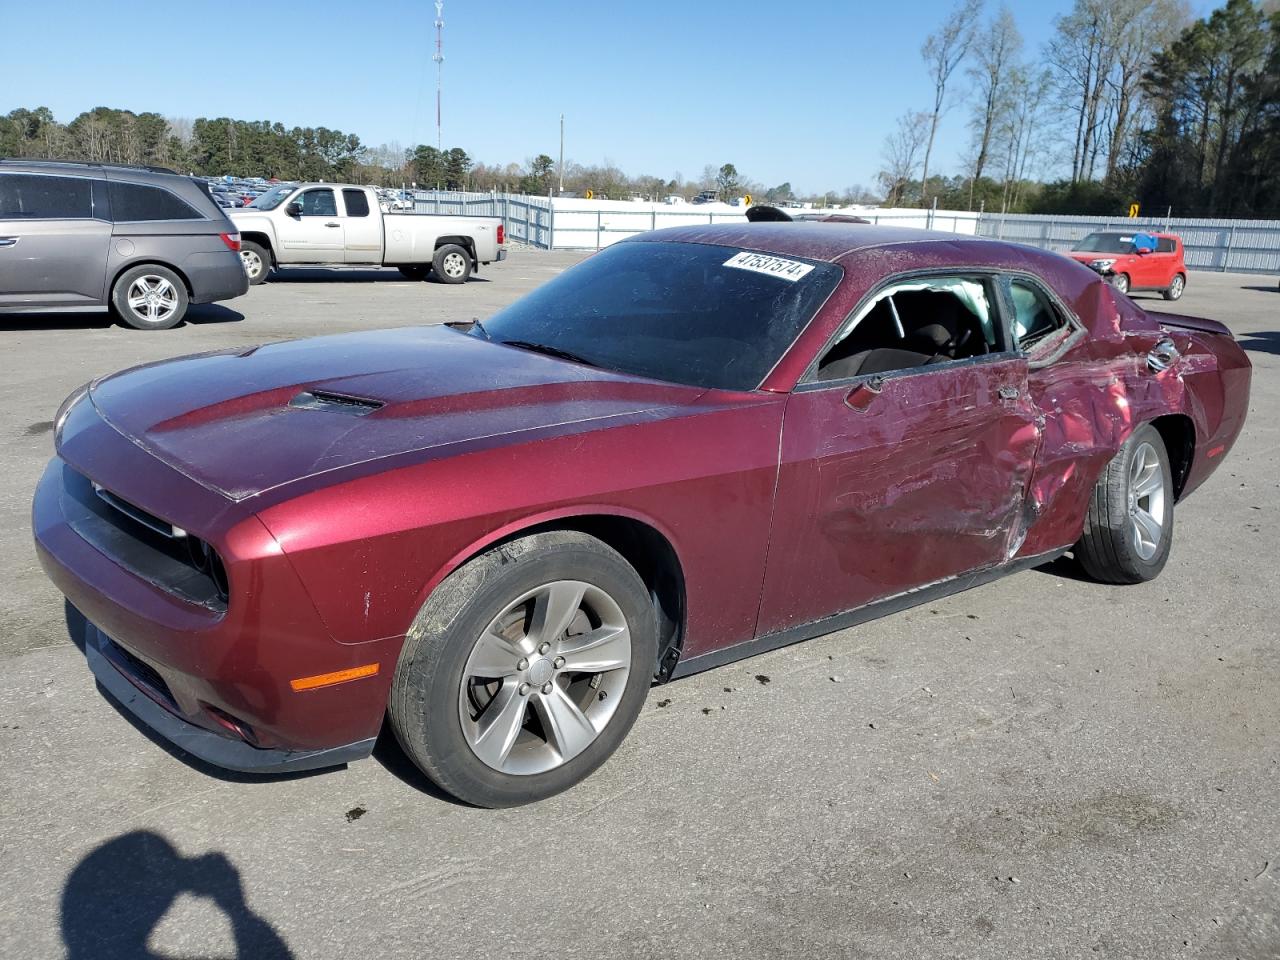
x=1274, y=288
x=198, y=314
x=118, y=894
x=348, y=275
x=1267, y=342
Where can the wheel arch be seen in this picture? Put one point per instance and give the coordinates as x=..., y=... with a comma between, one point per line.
x=148, y=262
x=1178, y=431
x=641, y=541
x=261, y=239
x=467, y=243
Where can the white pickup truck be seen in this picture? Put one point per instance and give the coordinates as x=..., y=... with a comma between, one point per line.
x=333, y=224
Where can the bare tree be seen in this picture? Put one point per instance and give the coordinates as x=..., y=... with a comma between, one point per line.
x=995, y=59
x=943, y=52
x=901, y=155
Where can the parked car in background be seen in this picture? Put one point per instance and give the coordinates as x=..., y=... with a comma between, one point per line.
x=339, y=224
x=1133, y=260
x=141, y=241
x=497, y=535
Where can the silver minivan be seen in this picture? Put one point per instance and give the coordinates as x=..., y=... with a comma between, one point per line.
x=143, y=242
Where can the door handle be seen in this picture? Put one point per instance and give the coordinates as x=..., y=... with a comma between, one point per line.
x=332, y=224
x=9, y=241
x=1008, y=393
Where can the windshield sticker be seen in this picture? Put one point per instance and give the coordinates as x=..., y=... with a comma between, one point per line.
x=791, y=270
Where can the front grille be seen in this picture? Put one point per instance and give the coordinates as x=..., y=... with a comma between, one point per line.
x=144, y=544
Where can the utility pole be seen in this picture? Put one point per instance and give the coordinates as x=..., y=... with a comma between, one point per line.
x=561, y=153
x=439, y=59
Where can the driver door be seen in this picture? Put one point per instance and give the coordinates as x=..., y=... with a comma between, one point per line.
x=316, y=234
x=896, y=480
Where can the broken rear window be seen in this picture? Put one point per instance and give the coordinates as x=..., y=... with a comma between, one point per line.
x=691, y=313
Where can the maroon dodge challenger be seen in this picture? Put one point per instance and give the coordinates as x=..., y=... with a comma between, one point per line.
x=697, y=445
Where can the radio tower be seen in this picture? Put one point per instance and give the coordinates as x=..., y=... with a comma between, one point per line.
x=439, y=59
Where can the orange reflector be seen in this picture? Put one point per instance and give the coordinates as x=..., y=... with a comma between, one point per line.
x=329, y=679
x=1217, y=450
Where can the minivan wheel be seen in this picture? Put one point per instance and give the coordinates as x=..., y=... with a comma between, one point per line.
x=525, y=669
x=452, y=264
x=1176, y=286
x=256, y=260
x=150, y=297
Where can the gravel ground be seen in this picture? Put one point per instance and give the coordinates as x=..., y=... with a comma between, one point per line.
x=1040, y=768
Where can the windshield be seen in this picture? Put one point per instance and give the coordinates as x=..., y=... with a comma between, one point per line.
x=272, y=198
x=1106, y=243
x=691, y=313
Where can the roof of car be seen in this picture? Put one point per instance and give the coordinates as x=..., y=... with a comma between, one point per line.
x=808, y=239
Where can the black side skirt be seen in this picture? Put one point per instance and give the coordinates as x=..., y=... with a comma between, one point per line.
x=850, y=618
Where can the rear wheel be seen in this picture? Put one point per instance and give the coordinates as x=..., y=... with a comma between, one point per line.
x=525, y=669
x=452, y=264
x=256, y=260
x=1128, y=529
x=150, y=297
x=415, y=271
x=1176, y=286
x=1121, y=282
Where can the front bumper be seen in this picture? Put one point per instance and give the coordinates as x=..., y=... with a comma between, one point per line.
x=132, y=691
x=227, y=673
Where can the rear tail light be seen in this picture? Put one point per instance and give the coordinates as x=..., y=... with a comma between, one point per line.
x=502, y=235
x=232, y=240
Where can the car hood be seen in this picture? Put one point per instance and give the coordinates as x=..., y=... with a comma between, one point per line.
x=241, y=422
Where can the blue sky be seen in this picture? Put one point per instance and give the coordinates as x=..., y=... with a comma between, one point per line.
x=802, y=91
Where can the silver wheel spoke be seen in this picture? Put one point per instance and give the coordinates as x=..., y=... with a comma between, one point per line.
x=554, y=609
x=499, y=726
x=1148, y=526
x=495, y=656
x=567, y=727
x=1150, y=482
x=603, y=649
x=137, y=302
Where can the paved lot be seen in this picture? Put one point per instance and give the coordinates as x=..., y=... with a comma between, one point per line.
x=1042, y=767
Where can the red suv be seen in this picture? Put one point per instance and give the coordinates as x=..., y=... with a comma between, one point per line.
x=1136, y=260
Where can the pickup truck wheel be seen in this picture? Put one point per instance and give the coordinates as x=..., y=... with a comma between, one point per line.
x=525, y=669
x=1128, y=527
x=150, y=297
x=452, y=264
x=1176, y=286
x=256, y=260
x=415, y=271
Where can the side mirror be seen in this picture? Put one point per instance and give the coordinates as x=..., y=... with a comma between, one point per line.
x=1143, y=251
x=294, y=209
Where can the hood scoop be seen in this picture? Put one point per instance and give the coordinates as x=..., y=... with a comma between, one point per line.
x=335, y=403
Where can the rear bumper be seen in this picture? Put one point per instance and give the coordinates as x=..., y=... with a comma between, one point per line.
x=131, y=690
x=215, y=276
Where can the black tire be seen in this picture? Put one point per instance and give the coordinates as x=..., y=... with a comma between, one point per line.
x=415, y=271
x=1108, y=550
x=257, y=261
x=452, y=264
x=165, y=311
x=424, y=707
x=1177, y=286
x=1121, y=282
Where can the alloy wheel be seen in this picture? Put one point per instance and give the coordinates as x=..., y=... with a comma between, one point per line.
x=252, y=263
x=454, y=265
x=152, y=298
x=1146, y=501
x=545, y=678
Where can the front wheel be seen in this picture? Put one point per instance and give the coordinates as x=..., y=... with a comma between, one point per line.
x=525, y=669
x=150, y=297
x=1128, y=528
x=452, y=264
x=1176, y=286
x=1121, y=282
x=256, y=260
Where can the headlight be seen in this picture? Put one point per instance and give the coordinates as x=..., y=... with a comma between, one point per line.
x=64, y=411
x=1102, y=264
